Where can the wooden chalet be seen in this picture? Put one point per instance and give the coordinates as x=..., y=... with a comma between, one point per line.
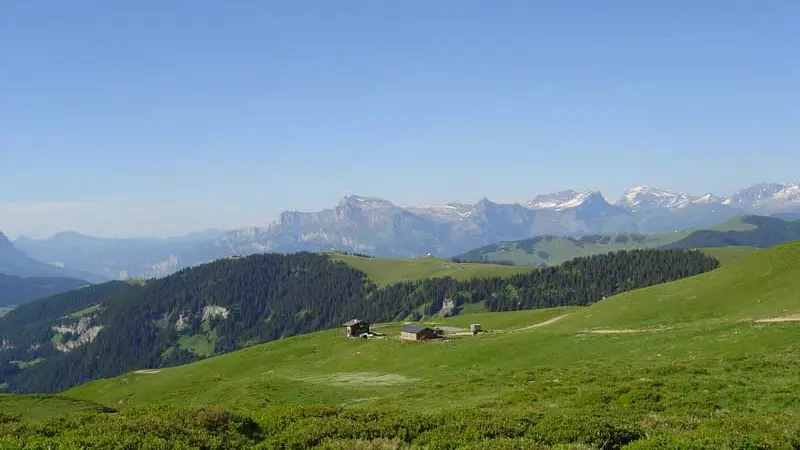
x=355, y=327
x=417, y=333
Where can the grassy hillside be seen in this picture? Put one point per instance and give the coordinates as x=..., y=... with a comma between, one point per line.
x=740, y=231
x=691, y=364
x=384, y=271
x=549, y=250
x=42, y=407
x=751, y=231
x=235, y=303
x=727, y=254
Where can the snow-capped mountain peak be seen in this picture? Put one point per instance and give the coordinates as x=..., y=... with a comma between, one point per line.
x=766, y=197
x=707, y=199
x=563, y=200
x=640, y=198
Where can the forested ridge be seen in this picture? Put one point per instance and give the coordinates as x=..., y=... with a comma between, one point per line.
x=221, y=306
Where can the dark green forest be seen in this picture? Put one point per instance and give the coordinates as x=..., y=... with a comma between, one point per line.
x=19, y=290
x=269, y=296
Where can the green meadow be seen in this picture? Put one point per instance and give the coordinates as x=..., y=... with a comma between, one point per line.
x=710, y=361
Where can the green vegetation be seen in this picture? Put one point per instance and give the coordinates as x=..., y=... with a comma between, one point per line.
x=550, y=250
x=748, y=231
x=234, y=303
x=740, y=231
x=685, y=364
x=385, y=271
x=200, y=344
x=26, y=364
x=727, y=254
x=86, y=311
x=36, y=407
x=738, y=223
x=17, y=290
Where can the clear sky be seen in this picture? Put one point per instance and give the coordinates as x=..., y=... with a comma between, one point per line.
x=152, y=117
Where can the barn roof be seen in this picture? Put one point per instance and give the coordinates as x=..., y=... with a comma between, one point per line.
x=350, y=323
x=413, y=328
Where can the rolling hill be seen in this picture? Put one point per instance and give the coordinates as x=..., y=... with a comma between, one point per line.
x=740, y=231
x=549, y=250
x=237, y=302
x=709, y=361
x=384, y=271
x=758, y=231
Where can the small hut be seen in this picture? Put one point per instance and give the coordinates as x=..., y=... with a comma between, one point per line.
x=475, y=328
x=417, y=333
x=355, y=327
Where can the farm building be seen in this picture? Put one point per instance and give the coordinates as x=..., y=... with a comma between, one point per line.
x=355, y=327
x=417, y=333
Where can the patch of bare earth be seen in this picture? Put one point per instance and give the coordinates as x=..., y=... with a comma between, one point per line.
x=541, y=324
x=792, y=318
x=623, y=331
x=360, y=378
x=147, y=371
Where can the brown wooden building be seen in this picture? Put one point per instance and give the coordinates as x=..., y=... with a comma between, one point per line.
x=355, y=327
x=417, y=333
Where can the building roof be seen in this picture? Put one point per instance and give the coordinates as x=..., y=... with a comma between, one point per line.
x=413, y=328
x=353, y=322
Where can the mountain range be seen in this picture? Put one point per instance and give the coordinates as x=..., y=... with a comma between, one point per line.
x=379, y=227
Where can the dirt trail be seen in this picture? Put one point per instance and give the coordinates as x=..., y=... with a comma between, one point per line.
x=541, y=324
x=147, y=371
x=792, y=318
x=630, y=330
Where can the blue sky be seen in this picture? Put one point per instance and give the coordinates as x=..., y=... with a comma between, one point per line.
x=159, y=117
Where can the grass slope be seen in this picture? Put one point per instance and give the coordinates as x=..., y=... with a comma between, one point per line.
x=384, y=271
x=551, y=250
x=727, y=254
x=752, y=231
x=702, y=352
x=42, y=407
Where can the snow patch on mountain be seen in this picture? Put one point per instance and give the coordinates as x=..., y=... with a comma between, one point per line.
x=447, y=211
x=559, y=201
x=767, y=197
x=707, y=199
x=640, y=198
x=366, y=203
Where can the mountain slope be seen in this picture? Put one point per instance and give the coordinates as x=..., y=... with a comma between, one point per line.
x=236, y=302
x=15, y=262
x=378, y=227
x=116, y=258
x=761, y=232
x=760, y=285
x=385, y=271
x=550, y=250
x=17, y=290
x=654, y=357
x=739, y=231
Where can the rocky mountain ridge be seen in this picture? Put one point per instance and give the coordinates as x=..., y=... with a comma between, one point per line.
x=377, y=226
